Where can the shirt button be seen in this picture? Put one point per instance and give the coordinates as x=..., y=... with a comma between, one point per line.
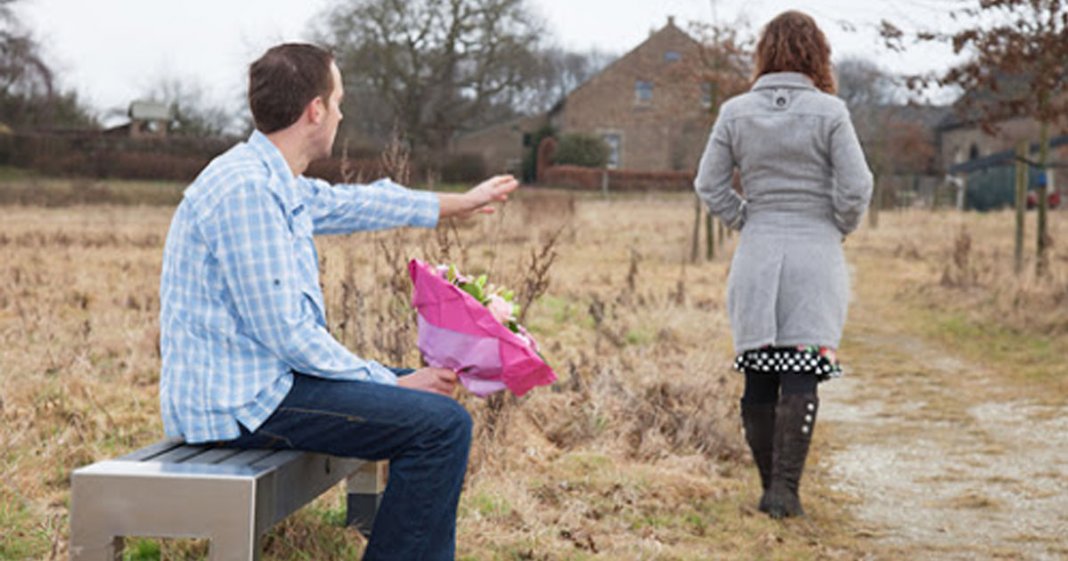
x=781, y=101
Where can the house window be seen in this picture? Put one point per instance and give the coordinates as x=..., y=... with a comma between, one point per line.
x=614, y=140
x=672, y=56
x=973, y=153
x=708, y=95
x=643, y=91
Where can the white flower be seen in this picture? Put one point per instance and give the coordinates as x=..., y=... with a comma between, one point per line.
x=500, y=308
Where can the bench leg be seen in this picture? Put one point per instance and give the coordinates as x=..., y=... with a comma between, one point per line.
x=239, y=542
x=98, y=547
x=92, y=538
x=365, y=488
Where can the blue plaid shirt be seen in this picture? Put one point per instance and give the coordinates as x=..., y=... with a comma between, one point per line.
x=240, y=304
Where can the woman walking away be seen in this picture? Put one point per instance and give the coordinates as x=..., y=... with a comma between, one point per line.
x=805, y=185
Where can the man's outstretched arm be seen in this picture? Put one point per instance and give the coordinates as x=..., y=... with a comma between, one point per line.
x=346, y=208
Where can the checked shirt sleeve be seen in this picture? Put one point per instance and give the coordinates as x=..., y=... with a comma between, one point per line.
x=252, y=240
x=344, y=208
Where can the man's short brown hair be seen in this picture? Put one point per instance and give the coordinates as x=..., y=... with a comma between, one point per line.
x=284, y=80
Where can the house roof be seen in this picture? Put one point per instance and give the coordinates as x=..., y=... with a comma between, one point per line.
x=143, y=110
x=669, y=28
x=968, y=108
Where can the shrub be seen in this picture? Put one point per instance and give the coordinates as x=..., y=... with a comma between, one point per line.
x=582, y=150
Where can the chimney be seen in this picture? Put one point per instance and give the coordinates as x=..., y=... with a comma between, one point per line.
x=671, y=21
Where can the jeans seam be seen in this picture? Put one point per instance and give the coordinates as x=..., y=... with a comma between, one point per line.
x=276, y=438
x=326, y=413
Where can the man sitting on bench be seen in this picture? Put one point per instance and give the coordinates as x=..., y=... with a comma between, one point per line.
x=247, y=359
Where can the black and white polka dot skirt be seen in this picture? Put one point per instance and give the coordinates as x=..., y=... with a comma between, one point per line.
x=803, y=359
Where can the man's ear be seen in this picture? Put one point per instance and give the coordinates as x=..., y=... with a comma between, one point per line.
x=315, y=110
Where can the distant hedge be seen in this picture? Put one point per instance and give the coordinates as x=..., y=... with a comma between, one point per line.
x=589, y=179
x=96, y=155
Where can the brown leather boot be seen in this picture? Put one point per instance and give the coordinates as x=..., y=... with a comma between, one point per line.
x=795, y=418
x=758, y=420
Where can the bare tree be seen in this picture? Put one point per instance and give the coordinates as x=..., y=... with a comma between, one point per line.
x=867, y=89
x=22, y=70
x=558, y=73
x=1018, y=67
x=192, y=113
x=724, y=64
x=28, y=96
x=862, y=83
x=722, y=69
x=438, y=66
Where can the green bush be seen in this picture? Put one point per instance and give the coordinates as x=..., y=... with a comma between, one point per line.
x=582, y=150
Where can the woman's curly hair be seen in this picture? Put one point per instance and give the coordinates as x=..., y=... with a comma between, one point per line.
x=792, y=42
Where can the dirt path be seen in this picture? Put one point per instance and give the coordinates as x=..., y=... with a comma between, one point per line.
x=945, y=458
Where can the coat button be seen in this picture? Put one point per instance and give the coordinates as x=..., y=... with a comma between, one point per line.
x=780, y=101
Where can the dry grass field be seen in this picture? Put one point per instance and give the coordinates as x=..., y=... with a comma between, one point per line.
x=636, y=453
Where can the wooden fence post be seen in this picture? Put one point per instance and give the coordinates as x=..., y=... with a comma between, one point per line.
x=1021, y=205
x=696, y=229
x=710, y=239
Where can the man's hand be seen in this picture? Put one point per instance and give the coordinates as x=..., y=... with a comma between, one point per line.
x=435, y=380
x=478, y=199
x=492, y=190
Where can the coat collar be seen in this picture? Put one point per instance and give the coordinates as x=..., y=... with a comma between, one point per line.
x=784, y=80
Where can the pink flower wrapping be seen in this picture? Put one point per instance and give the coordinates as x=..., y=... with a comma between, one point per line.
x=456, y=331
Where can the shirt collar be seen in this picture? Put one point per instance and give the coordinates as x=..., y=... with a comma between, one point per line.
x=784, y=80
x=280, y=181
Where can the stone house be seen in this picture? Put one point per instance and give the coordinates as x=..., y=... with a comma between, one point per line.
x=980, y=161
x=649, y=106
x=962, y=138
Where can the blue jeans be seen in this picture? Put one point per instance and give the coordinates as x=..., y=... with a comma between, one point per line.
x=425, y=436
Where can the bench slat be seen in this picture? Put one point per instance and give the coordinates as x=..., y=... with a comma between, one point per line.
x=179, y=454
x=277, y=459
x=152, y=451
x=246, y=457
x=214, y=456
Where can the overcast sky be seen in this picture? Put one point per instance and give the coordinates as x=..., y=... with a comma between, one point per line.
x=113, y=51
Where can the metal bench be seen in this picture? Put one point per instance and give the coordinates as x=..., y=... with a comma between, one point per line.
x=229, y=496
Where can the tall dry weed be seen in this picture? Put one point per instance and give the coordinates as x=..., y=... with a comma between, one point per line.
x=969, y=267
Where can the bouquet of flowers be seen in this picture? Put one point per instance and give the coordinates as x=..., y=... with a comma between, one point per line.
x=469, y=326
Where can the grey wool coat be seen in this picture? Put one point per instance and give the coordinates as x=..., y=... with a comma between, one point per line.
x=806, y=184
